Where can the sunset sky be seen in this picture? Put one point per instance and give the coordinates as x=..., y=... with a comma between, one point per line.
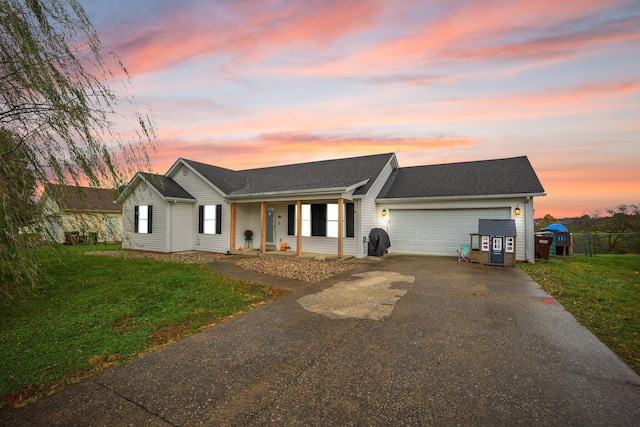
x=243, y=84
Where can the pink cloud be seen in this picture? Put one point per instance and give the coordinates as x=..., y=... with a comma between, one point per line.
x=295, y=147
x=488, y=30
x=247, y=30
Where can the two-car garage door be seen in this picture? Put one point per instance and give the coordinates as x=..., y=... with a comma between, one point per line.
x=436, y=232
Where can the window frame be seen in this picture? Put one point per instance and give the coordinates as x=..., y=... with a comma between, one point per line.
x=210, y=219
x=143, y=219
x=317, y=221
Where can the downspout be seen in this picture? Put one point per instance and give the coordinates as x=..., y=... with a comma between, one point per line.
x=168, y=228
x=299, y=227
x=527, y=226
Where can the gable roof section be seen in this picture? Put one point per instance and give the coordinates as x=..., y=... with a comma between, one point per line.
x=497, y=227
x=225, y=180
x=480, y=178
x=165, y=186
x=72, y=198
x=339, y=174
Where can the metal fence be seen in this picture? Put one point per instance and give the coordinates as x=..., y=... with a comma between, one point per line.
x=591, y=244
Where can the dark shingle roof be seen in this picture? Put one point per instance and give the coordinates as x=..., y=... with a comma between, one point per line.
x=497, y=227
x=339, y=173
x=83, y=198
x=488, y=177
x=167, y=186
x=226, y=180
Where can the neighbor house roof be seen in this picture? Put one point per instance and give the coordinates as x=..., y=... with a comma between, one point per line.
x=497, y=227
x=320, y=175
x=75, y=198
x=480, y=178
x=167, y=187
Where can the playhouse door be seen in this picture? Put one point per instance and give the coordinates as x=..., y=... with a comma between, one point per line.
x=497, y=250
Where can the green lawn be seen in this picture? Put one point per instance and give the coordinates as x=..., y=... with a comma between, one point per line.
x=95, y=312
x=603, y=293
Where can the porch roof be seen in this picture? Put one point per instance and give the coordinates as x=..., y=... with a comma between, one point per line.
x=357, y=174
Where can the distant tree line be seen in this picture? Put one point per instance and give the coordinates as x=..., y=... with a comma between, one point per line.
x=615, y=231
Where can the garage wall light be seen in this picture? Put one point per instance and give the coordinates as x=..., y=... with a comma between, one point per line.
x=384, y=212
x=517, y=210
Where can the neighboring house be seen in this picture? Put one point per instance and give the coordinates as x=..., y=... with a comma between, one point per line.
x=76, y=214
x=329, y=206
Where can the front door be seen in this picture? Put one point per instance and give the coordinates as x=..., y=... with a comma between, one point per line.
x=271, y=215
x=497, y=250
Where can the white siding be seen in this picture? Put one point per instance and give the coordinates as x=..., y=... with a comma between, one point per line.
x=247, y=218
x=205, y=195
x=370, y=213
x=182, y=229
x=155, y=241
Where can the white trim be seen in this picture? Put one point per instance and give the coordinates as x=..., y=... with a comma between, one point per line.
x=198, y=174
x=453, y=198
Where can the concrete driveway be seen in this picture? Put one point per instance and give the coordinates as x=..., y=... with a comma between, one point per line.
x=402, y=341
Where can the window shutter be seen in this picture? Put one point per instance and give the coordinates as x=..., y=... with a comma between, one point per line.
x=350, y=211
x=291, y=220
x=218, y=219
x=136, y=213
x=200, y=219
x=150, y=219
x=319, y=220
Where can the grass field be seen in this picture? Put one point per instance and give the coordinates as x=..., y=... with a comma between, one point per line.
x=95, y=312
x=603, y=293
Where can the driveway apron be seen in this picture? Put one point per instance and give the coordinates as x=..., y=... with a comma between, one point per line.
x=403, y=341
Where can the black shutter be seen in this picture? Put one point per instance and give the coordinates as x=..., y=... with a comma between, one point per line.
x=136, y=214
x=350, y=231
x=291, y=220
x=149, y=219
x=200, y=219
x=319, y=220
x=218, y=219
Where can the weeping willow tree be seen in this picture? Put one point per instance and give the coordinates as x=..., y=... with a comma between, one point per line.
x=61, y=119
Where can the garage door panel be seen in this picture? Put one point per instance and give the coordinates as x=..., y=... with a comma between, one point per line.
x=436, y=232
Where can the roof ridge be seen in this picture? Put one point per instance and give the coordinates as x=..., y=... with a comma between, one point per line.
x=314, y=162
x=466, y=162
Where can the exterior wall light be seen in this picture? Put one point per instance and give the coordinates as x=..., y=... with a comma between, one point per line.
x=384, y=212
x=517, y=210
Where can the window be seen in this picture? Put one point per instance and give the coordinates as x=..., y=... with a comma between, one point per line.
x=485, y=243
x=210, y=219
x=306, y=220
x=510, y=244
x=332, y=220
x=321, y=220
x=143, y=216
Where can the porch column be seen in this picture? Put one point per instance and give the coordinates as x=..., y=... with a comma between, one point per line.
x=263, y=227
x=299, y=228
x=340, y=228
x=232, y=226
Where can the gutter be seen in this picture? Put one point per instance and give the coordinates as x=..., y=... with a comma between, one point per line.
x=305, y=192
x=452, y=198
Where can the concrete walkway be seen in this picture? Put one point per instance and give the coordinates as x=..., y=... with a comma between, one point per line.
x=403, y=341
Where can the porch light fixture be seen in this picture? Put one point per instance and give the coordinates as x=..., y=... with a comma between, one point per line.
x=384, y=212
x=517, y=210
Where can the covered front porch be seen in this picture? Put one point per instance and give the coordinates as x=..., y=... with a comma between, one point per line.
x=309, y=228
